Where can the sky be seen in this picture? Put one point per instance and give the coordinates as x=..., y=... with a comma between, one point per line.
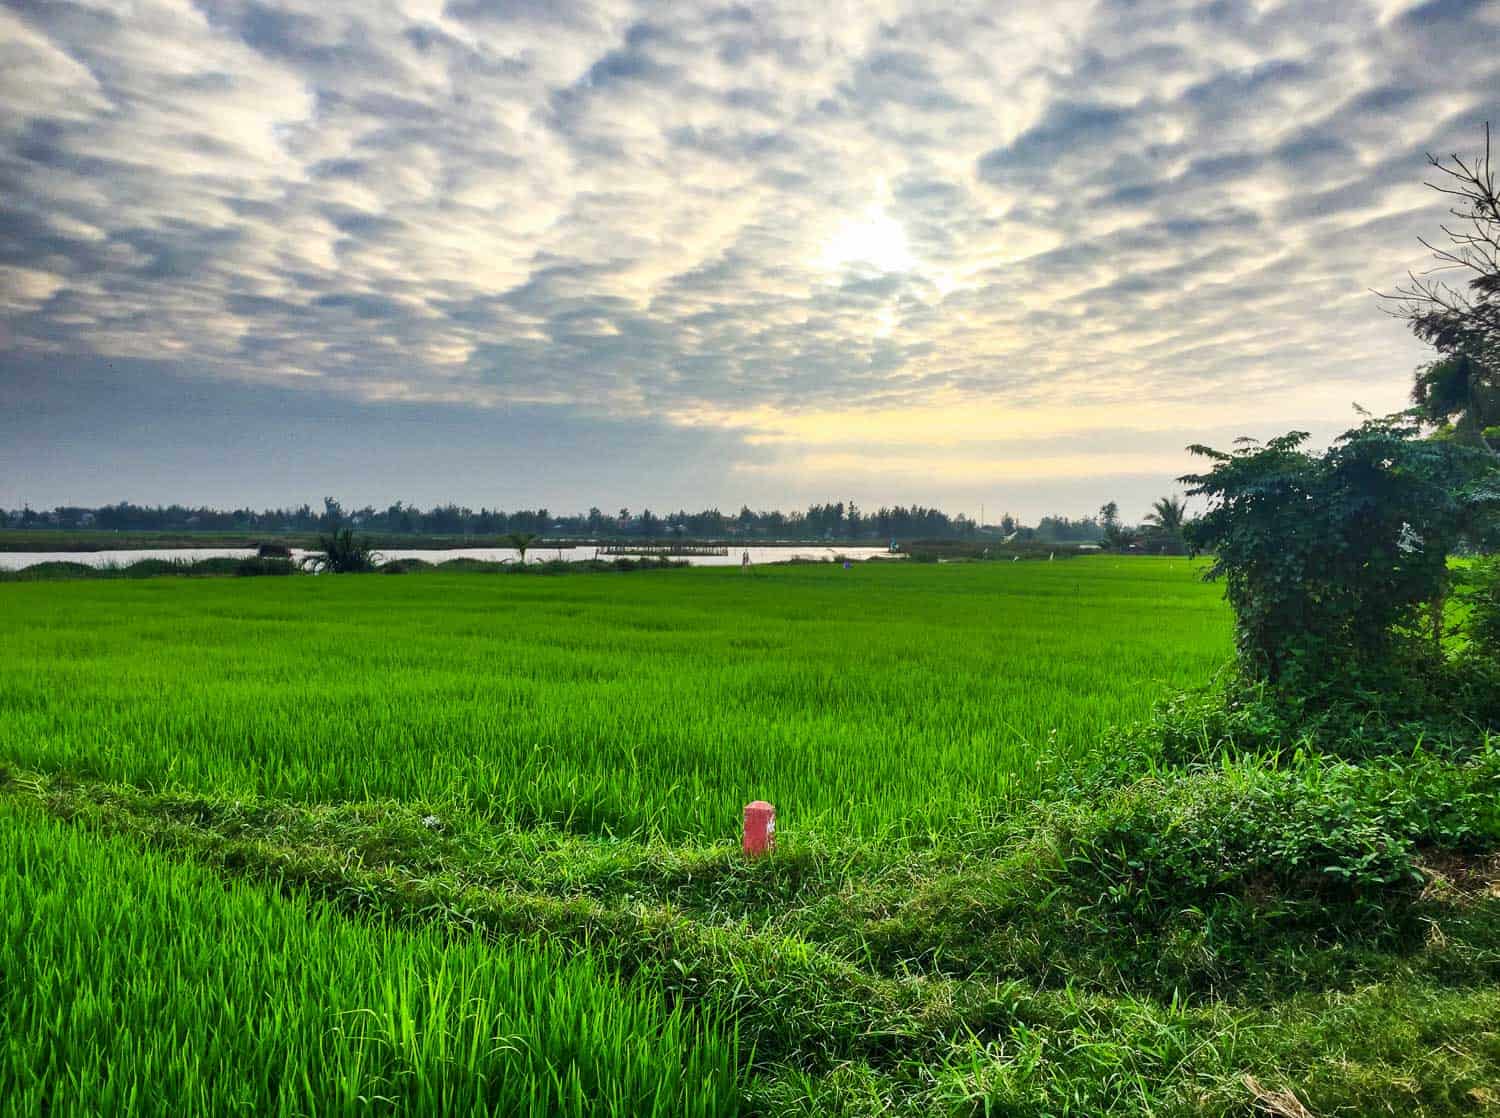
x=542, y=252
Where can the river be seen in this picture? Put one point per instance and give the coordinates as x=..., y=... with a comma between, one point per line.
x=16, y=560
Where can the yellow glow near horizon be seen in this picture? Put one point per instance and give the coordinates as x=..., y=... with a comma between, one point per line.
x=949, y=420
x=945, y=421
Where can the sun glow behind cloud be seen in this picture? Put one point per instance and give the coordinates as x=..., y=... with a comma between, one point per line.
x=873, y=240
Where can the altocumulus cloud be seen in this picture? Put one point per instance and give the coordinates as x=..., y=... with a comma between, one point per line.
x=982, y=245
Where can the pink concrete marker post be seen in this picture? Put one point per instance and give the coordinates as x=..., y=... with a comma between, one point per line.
x=760, y=828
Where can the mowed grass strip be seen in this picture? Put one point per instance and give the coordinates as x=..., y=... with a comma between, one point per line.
x=886, y=700
x=132, y=984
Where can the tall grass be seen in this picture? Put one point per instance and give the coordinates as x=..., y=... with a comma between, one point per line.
x=130, y=984
x=878, y=700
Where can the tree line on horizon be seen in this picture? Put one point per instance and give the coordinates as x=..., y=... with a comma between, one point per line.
x=840, y=520
x=833, y=519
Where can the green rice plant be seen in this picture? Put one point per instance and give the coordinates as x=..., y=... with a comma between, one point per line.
x=133, y=985
x=884, y=701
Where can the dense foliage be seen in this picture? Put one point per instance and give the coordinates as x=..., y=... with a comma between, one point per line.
x=343, y=553
x=1460, y=390
x=1336, y=564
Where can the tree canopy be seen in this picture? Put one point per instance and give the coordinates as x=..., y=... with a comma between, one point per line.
x=1460, y=391
x=1334, y=562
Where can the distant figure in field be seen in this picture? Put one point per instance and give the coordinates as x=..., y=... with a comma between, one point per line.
x=745, y=561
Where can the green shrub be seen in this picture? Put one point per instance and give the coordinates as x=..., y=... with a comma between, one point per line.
x=1336, y=564
x=51, y=570
x=1190, y=881
x=151, y=568
x=404, y=566
x=256, y=566
x=342, y=553
x=1481, y=628
x=472, y=566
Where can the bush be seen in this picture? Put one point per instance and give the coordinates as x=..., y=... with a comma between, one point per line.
x=256, y=566
x=404, y=566
x=1482, y=628
x=343, y=553
x=52, y=569
x=150, y=568
x=1184, y=881
x=472, y=566
x=1337, y=564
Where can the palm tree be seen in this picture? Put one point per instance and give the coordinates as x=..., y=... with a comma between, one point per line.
x=1168, y=514
x=1166, y=520
x=521, y=541
x=342, y=553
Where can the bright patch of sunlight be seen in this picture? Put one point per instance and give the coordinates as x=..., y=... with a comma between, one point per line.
x=873, y=239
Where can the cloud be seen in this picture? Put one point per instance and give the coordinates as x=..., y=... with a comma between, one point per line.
x=767, y=214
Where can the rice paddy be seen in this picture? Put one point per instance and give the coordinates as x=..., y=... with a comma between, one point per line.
x=883, y=698
x=451, y=843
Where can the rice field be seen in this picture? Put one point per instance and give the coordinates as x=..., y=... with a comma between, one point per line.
x=449, y=843
x=884, y=700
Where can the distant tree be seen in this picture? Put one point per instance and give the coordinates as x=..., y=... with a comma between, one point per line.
x=398, y=518
x=820, y=521
x=1167, y=514
x=342, y=553
x=1062, y=529
x=1460, y=391
x=1115, y=535
x=1164, y=524
x=521, y=541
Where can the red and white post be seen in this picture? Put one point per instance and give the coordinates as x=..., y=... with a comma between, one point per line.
x=760, y=828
